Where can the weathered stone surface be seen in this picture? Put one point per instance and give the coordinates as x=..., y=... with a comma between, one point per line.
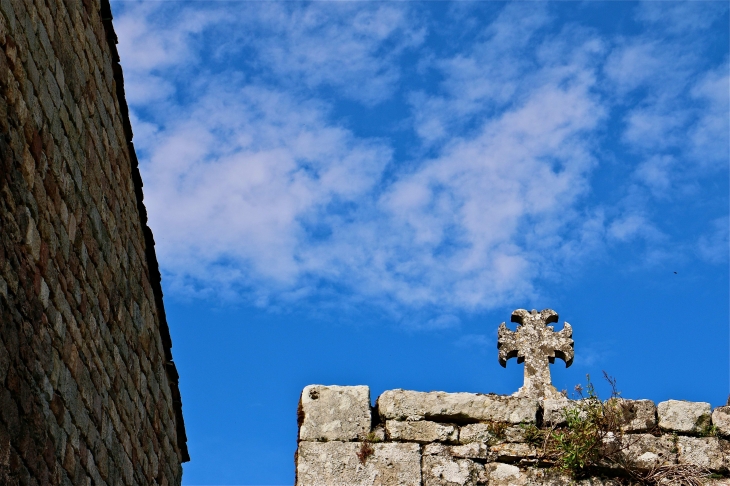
x=537, y=345
x=511, y=452
x=421, y=431
x=684, y=416
x=334, y=412
x=640, y=415
x=553, y=410
x=721, y=420
x=646, y=451
x=377, y=434
x=337, y=463
x=476, y=433
x=455, y=407
x=518, y=433
x=493, y=433
x=474, y=450
x=708, y=452
x=500, y=474
x=444, y=470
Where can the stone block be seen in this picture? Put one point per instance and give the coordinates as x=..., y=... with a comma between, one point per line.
x=473, y=450
x=684, y=416
x=513, y=452
x=445, y=470
x=646, y=451
x=493, y=433
x=334, y=412
x=421, y=431
x=500, y=474
x=553, y=410
x=377, y=434
x=455, y=407
x=721, y=420
x=478, y=433
x=708, y=452
x=350, y=463
x=639, y=415
x=518, y=433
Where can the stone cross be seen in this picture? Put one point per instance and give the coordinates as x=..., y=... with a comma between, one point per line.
x=536, y=344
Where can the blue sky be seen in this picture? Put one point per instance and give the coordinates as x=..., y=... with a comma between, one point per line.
x=360, y=192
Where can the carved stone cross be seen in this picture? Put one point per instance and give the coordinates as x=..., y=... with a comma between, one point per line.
x=536, y=344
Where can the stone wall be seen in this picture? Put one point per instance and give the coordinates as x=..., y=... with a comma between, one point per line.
x=88, y=389
x=447, y=439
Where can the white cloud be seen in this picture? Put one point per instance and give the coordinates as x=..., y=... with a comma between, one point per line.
x=714, y=247
x=150, y=43
x=677, y=103
x=237, y=182
x=680, y=17
x=488, y=75
x=651, y=76
x=708, y=136
x=352, y=47
x=631, y=226
x=656, y=173
x=635, y=63
x=232, y=183
x=253, y=187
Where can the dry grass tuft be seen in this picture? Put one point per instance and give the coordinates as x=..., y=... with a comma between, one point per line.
x=678, y=475
x=366, y=450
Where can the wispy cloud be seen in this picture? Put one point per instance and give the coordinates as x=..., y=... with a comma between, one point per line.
x=714, y=246
x=233, y=185
x=257, y=189
x=350, y=47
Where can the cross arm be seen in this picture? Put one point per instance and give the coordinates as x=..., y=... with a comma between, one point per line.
x=506, y=344
x=561, y=345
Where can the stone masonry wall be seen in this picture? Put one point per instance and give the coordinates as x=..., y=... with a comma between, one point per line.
x=463, y=439
x=88, y=389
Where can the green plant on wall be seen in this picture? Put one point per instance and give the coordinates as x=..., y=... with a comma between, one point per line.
x=578, y=446
x=593, y=437
x=592, y=433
